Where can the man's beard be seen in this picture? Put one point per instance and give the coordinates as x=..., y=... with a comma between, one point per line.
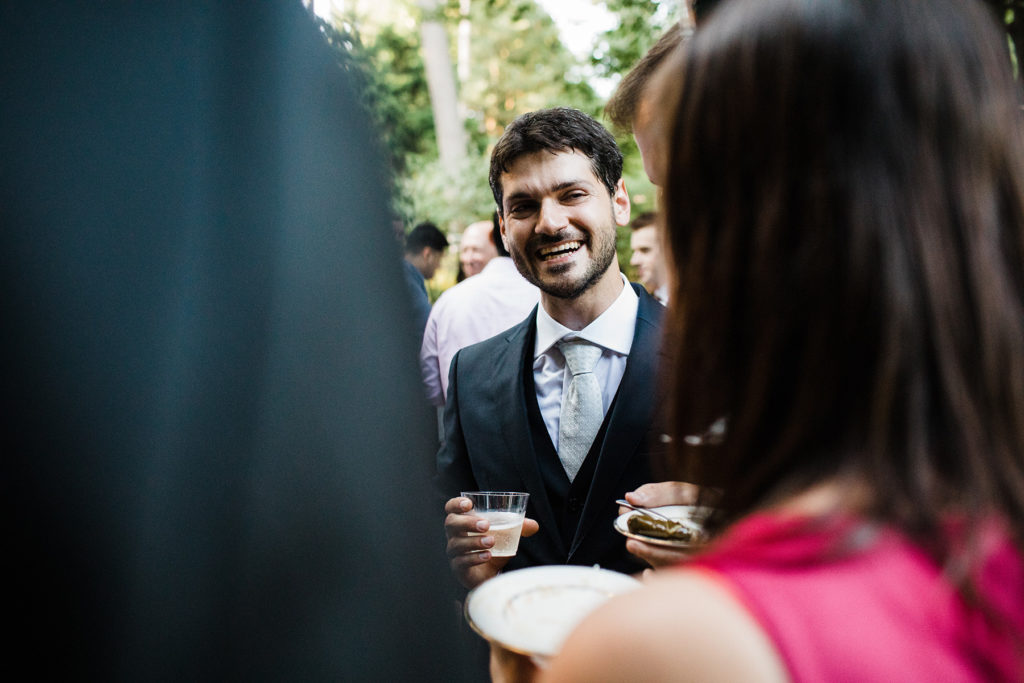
x=602, y=254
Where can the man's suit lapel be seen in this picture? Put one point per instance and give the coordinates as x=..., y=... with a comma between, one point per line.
x=630, y=419
x=515, y=425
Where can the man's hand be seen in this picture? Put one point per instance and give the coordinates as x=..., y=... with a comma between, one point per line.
x=663, y=493
x=509, y=667
x=470, y=556
x=655, y=495
x=657, y=556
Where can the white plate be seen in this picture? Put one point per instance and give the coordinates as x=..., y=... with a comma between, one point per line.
x=682, y=512
x=532, y=611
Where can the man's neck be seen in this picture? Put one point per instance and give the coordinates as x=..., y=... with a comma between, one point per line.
x=579, y=312
x=416, y=262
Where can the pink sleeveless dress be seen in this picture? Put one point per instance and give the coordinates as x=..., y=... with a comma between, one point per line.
x=844, y=601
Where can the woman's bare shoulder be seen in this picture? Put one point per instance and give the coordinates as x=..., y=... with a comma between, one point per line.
x=682, y=624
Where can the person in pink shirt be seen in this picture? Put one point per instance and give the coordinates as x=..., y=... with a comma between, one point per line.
x=491, y=301
x=845, y=214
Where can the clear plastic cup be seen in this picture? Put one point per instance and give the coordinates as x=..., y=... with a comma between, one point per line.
x=505, y=510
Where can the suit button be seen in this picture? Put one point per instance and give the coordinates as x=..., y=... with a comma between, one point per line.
x=575, y=504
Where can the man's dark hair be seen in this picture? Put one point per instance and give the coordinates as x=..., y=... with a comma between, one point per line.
x=621, y=108
x=646, y=219
x=556, y=130
x=426, y=234
x=496, y=235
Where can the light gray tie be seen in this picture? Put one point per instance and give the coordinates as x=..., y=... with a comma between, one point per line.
x=582, y=409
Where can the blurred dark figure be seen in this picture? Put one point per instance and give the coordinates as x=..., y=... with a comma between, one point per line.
x=202, y=363
x=424, y=248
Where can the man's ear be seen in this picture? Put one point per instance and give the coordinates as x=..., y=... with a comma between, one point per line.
x=501, y=229
x=620, y=203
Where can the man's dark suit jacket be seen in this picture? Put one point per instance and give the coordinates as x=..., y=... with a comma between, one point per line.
x=489, y=445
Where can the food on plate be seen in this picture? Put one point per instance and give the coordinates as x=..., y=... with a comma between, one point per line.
x=645, y=525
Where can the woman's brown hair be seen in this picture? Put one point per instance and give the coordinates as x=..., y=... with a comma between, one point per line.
x=845, y=213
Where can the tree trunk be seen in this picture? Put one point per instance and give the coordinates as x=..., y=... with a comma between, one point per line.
x=451, y=136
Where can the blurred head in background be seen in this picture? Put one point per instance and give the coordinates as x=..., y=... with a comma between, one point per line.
x=476, y=247
x=633, y=108
x=424, y=247
x=647, y=257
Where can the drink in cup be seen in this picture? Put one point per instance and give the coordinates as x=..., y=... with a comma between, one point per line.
x=505, y=510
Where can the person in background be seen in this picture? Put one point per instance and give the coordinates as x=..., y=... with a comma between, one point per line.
x=556, y=175
x=476, y=248
x=647, y=259
x=424, y=247
x=632, y=108
x=845, y=210
x=203, y=358
x=472, y=311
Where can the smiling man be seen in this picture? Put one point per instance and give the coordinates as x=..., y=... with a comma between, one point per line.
x=561, y=405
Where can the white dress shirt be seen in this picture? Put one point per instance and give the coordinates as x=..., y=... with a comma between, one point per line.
x=475, y=309
x=612, y=331
x=661, y=294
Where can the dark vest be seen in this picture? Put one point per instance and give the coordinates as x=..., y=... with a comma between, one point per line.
x=568, y=501
x=566, y=498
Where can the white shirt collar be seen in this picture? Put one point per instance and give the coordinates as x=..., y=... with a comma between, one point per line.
x=612, y=330
x=661, y=294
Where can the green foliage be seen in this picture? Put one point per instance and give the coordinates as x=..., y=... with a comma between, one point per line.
x=389, y=73
x=1011, y=14
x=622, y=237
x=517, y=64
x=641, y=22
x=400, y=91
x=430, y=192
x=641, y=192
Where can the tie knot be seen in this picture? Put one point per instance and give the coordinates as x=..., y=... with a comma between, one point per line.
x=580, y=356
